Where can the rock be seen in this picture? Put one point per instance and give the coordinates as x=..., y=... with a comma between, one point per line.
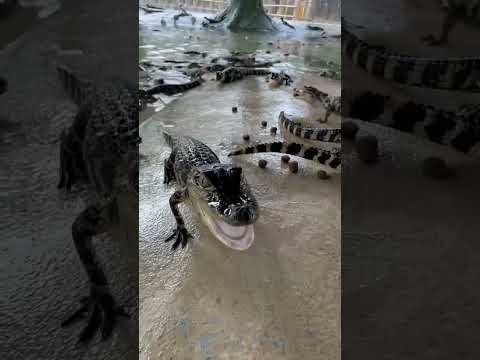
x=349, y=129
x=273, y=130
x=436, y=168
x=246, y=137
x=264, y=123
x=285, y=158
x=367, y=148
x=322, y=174
x=234, y=109
x=262, y=163
x=293, y=166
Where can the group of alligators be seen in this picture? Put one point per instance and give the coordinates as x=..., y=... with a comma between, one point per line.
x=104, y=138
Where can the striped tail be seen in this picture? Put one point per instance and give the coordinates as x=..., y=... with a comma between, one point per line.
x=450, y=73
x=458, y=129
x=324, y=157
x=78, y=89
x=320, y=134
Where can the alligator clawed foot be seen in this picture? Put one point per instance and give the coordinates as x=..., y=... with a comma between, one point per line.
x=101, y=310
x=181, y=236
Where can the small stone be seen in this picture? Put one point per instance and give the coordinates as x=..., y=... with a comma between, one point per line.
x=436, y=168
x=322, y=174
x=262, y=163
x=293, y=166
x=234, y=109
x=285, y=158
x=349, y=129
x=264, y=123
x=246, y=137
x=273, y=130
x=367, y=148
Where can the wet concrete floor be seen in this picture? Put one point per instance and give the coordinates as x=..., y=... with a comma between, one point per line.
x=408, y=241
x=280, y=299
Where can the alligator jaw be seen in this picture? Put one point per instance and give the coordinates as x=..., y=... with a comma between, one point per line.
x=235, y=237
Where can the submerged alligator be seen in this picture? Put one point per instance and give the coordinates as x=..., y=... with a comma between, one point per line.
x=459, y=129
x=172, y=89
x=450, y=73
x=219, y=191
x=99, y=151
x=232, y=73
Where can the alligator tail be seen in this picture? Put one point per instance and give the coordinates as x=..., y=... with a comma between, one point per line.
x=76, y=88
x=314, y=153
x=333, y=135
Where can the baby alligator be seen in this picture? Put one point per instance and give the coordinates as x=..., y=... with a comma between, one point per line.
x=218, y=188
x=232, y=74
x=171, y=89
x=315, y=153
x=331, y=103
x=300, y=131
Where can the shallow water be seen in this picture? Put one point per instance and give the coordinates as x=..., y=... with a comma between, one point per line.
x=280, y=299
x=298, y=52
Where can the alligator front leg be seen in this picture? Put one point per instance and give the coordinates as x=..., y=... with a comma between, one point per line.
x=449, y=22
x=180, y=234
x=100, y=305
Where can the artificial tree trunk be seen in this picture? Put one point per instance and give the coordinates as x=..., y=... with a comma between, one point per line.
x=245, y=15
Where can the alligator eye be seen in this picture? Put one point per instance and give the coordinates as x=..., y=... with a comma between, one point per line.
x=227, y=212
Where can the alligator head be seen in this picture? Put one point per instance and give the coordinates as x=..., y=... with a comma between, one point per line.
x=226, y=203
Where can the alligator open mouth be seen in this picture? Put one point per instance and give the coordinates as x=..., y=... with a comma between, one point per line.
x=235, y=237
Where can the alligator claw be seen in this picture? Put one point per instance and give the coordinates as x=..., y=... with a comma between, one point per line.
x=181, y=236
x=102, y=311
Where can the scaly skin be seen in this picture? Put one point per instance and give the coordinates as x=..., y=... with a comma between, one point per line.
x=459, y=129
x=309, y=152
x=172, y=89
x=99, y=151
x=452, y=73
x=232, y=74
x=195, y=168
x=309, y=133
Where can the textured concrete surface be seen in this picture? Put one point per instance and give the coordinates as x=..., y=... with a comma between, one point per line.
x=409, y=243
x=40, y=274
x=280, y=299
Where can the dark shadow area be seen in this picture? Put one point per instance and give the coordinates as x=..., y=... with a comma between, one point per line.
x=411, y=169
x=69, y=175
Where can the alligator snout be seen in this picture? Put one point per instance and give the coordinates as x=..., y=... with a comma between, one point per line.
x=239, y=214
